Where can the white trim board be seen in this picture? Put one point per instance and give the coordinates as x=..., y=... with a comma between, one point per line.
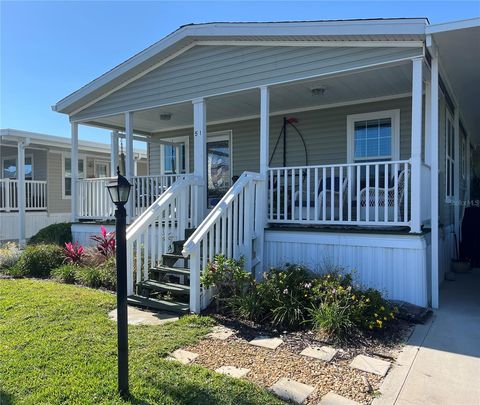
x=394, y=116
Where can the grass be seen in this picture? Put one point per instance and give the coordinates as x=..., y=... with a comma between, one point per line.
x=57, y=345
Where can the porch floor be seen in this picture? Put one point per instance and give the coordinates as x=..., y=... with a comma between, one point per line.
x=385, y=230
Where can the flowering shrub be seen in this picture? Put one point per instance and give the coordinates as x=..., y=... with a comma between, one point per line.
x=227, y=275
x=74, y=252
x=292, y=297
x=105, y=242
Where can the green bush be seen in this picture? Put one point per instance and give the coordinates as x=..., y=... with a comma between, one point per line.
x=38, y=261
x=103, y=275
x=56, y=233
x=65, y=273
x=227, y=275
x=333, y=318
x=9, y=255
x=89, y=276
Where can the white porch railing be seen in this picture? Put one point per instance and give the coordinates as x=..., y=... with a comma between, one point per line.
x=35, y=195
x=163, y=222
x=146, y=189
x=344, y=194
x=230, y=229
x=94, y=202
x=93, y=199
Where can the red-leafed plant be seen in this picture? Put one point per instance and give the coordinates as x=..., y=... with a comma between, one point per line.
x=73, y=252
x=105, y=242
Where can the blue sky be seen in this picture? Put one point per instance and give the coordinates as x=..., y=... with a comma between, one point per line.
x=50, y=49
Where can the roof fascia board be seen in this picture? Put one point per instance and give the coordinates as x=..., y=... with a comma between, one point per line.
x=452, y=26
x=353, y=44
x=357, y=27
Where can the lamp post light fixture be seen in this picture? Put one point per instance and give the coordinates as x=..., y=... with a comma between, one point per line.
x=119, y=191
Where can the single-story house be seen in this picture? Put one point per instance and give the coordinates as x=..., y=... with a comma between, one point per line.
x=47, y=174
x=344, y=143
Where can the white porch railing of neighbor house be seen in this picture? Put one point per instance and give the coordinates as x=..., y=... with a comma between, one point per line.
x=425, y=211
x=230, y=229
x=163, y=222
x=35, y=195
x=374, y=193
x=94, y=202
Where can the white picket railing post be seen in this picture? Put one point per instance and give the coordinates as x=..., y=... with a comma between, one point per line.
x=7, y=195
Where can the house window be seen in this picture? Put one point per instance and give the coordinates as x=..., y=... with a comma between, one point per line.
x=450, y=157
x=174, y=155
x=9, y=169
x=67, y=174
x=169, y=159
x=373, y=136
x=102, y=169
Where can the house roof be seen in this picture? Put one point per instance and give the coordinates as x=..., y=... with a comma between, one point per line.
x=8, y=134
x=393, y=29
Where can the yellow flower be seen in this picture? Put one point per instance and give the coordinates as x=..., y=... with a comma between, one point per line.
x=353, y=297
x=384, y=318
x=376, y=316
x=379, y=323
x=382, y=308
x=367, y=300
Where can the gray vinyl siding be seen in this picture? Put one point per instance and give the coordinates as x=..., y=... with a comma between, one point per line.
x=39, y=160
x=207, y=70
x=324, y=132
x=55, y=180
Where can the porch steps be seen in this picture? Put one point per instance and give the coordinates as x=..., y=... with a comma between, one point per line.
x=167, y=288
x=157, y=304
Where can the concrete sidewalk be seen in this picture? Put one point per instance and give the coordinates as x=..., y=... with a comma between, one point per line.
x=445, y=353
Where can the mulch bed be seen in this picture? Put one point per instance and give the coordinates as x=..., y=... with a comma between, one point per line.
x=267, y=366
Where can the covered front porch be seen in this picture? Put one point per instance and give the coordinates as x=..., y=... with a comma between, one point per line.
x=343, y=149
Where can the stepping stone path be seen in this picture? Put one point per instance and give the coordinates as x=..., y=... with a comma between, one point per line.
x=183, y=356
x=325, y=353
x=290, y=390
x=370, y=365
x=333, y=399
x=267, y=342
x=233, y=371
x=138, y=317
x=220, y=332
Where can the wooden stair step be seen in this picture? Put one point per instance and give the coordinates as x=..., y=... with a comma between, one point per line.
x=174, y=270
x=162, y=305
x=165, y=287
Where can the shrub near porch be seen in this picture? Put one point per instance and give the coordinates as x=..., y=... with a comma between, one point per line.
x=58, y=346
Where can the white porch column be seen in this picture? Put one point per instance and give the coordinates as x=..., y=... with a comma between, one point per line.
x=129, y=171
x=21, y=191
x=428, y=114
x=113, y=153
x=456, y=178
x=434, y=177
x=417, y=81
x=264, y=157
x=74, y=170
x=200, y=155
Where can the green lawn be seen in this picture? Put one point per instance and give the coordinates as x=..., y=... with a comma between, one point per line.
x=57, y=345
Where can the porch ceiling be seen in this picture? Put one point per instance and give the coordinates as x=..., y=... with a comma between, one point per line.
x=283, y=98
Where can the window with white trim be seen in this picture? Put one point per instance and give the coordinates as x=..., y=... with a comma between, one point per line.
x=449, y=157
x=67, y=174
x=174, y=156
x=9, y=167
x=373, y=136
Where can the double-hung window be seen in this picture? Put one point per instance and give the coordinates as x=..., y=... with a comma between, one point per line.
x=373, y=136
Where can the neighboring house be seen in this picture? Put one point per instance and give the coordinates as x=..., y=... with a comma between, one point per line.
x=352, y=140
x=48, y=178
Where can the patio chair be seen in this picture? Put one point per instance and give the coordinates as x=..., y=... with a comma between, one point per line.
x=326, y=195
x=368, y=202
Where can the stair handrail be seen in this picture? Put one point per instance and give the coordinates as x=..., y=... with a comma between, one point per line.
x=212, y=231
x=143, y=220
x=148, y=236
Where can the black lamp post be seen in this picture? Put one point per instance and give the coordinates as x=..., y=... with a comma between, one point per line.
x=119, y=191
